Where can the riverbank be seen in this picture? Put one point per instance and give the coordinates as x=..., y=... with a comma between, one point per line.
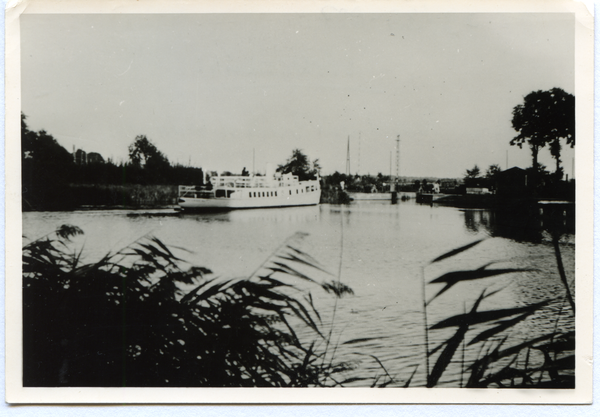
x=129, y=196
x=334, y=195
x=105, y=196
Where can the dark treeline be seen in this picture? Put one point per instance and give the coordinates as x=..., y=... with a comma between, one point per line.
x=55, y=179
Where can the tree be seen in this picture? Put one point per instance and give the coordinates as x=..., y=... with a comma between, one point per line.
x=473, y=173
x=493, y=171
x=46, y=169
x=543, y=119
x=143, y=152
x=299, y=164
x=148, y=164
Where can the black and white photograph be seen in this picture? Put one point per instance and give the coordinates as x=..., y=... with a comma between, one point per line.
x=317, y=197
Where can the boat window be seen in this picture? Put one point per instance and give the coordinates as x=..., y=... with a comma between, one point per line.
x=290, y=192
x=250, y=194
x=307, y=188
x=296, y=191
x=275, y=193
x=263, y=193
x=220, y=193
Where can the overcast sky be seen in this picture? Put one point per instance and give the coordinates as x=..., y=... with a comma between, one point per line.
x=212, y=88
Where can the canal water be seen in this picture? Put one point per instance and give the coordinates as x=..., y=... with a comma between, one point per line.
x=382, y=251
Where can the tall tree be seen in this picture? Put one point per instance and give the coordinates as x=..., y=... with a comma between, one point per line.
x=493, y=171
x=544, y=118
x=299, y=164
x=149, y=165
x=143, y=152
x=46, y=168
x=473, y=172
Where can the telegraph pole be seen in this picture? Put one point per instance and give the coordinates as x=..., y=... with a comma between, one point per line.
x=398, y=158
x=348, y=157
x=358, y=168
x=397, y=176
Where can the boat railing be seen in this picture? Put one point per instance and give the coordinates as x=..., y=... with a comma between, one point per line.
x=194, y=191
x=253, y=182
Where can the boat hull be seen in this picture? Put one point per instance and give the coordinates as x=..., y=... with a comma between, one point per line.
x=254, y=198
x=199, y=204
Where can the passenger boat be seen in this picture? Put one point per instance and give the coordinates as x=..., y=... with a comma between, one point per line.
x=237, y=192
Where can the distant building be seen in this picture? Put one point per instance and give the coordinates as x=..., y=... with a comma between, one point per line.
x=477, y=186
x=94, y=158
x=512, y=182
x=80, y=157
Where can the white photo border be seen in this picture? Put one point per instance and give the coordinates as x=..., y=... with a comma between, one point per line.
x=16, y=394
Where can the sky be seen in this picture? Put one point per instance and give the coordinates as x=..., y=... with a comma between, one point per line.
x=212, y=90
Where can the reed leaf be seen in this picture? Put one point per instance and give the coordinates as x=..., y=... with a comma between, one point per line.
x=408, y=381
x=67, y=231
x=452, y=345
x=286, y=269
x=363, y=339
x=338, y=288
x=456, y=251
x=479, y=366
x=484, y=316
x=452, y=278
x=310, y=262
x=502, y=325
x=566, y=343
x=353, y=379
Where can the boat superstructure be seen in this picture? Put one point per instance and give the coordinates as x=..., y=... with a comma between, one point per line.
x=235, y=192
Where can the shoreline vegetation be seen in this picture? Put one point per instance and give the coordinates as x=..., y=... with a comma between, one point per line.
x=55, y=179
x=142, y=317
x=147, y=196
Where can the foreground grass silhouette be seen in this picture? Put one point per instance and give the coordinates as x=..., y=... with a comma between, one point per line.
x=142, y=318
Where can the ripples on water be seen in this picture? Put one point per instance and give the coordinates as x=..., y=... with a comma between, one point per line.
x=384, y=250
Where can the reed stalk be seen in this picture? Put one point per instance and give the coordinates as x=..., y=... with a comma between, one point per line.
x=425, y=324
x=561, y=269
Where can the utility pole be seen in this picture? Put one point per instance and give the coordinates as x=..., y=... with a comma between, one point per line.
x=358, y=169
x=397, y=176
x=348, y=158
x=398, y=158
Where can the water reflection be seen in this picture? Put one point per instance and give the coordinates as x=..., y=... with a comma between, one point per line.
x=521, y=224
x=291, y=215
x=516, y=225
